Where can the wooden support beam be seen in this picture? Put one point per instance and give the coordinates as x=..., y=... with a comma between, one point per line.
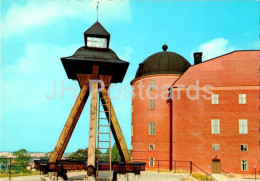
x=92, y=125
x=115, y=127
x=71, y=122
x=91, y=162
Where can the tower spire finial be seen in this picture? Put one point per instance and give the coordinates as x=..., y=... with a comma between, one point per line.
x=97, y=10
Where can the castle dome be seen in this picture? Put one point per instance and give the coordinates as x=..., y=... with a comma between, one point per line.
x=164, y=62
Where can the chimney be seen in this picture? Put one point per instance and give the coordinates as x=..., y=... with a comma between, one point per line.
x=197, y=57
x=141, y=67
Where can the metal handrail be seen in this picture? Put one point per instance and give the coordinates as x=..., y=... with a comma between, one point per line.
x=202, y=171
x=158, y=166
x=191, y=168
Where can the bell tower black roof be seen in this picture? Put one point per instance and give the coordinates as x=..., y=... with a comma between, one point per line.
x=97, y=29
x=82, y=61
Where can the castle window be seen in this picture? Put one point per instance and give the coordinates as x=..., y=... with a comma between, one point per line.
x=152, y=128
x=215, y=126
x=132, y=131
x=243, y=147
x=244, y=165
x=152, y=85
x=151, y=146
x=152, y=104
x=243, y=126
x=214, y=98
x=215, y=147
x=242, y=98
x=151, y=162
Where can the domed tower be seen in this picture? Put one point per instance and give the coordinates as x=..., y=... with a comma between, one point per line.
x=150, y=109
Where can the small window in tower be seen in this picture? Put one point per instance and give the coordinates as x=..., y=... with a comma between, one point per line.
x=242, y=98
x=214, y=98
x=215, y=126
x=151, y=162
x=243, y=147
x=132, y=131
x=152, y=104
x=152, y=85
x=244, y=165
x=215, y=147
x=96, y=42
x=243, y=126
x=151, y=146
x=152, y=128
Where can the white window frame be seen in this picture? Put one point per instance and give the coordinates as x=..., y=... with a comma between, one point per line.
x=242, y=98
x=152, y=104
x=153, y=145
x=243, y=126
x=152, y=85
x=243, y=147
x=151, y=161
x=152, y=128
x=214, y=99
x=215, y=126
x=215, y=147
x=244, y=165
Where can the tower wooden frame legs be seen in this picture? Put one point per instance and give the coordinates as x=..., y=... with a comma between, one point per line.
x=84, y=81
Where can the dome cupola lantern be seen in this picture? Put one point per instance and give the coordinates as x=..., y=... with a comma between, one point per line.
x=97, y=37
x=164, y=62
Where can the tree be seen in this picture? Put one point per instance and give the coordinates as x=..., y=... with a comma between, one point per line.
x=80, y=154
x=48, y=154
x=22, y=160
x=115, y=156
x=4, y=162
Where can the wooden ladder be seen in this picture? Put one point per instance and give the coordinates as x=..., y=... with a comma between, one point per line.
x=104, y=133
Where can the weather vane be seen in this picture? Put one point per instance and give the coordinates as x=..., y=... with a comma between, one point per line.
x=97, y=10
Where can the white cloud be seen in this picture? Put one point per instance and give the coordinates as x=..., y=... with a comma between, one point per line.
x=254, y=45
x=25, y=84
x=127, y=51
x=21, y=18
x=215, y=47
x=246, y=34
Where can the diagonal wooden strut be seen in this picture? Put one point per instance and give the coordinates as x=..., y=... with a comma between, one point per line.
x=115, y=127
x=71, y=121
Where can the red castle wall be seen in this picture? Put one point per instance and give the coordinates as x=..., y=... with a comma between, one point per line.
x=142, y=115
x=230, y=75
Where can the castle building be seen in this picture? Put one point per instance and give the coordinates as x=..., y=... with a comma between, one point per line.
x=207, y=113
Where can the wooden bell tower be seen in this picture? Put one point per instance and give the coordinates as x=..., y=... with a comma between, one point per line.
x=91, y=64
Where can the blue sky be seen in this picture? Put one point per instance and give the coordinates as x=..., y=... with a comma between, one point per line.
x=35, y=34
